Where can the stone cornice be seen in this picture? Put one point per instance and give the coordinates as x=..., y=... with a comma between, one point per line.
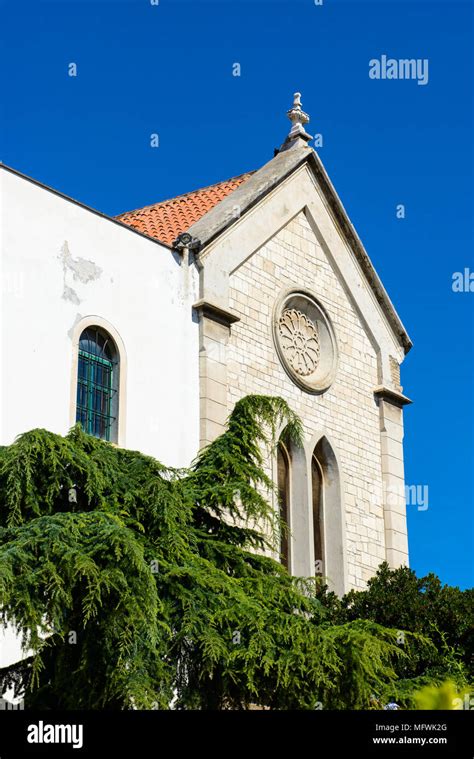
x=392, y=396
x=215, y=312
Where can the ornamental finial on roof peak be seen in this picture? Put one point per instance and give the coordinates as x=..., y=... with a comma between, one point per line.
x=298, y=118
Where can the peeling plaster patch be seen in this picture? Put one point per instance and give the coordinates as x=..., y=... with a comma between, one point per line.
x=70, y=295
x=82, y=270
x=73, y=328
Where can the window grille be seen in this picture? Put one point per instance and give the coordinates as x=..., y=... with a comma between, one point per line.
x=96, y=384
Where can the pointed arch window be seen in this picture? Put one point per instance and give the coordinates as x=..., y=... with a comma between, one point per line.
x=283, y=478
x=317, y=507
x=97, y=384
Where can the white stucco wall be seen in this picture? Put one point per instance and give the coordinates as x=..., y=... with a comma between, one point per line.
x=134, y=284
x=10, y=647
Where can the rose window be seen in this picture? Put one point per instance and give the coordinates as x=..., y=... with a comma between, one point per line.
x=299, y=338
x=304, y=340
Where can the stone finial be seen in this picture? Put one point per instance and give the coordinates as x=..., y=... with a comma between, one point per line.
x=298, y=119
x=297, y=137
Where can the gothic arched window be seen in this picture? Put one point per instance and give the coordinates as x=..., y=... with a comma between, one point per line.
x=283, y=467
x=317, y=507
x=97, y=384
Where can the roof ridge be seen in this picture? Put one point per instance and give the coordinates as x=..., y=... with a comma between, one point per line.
x=185, y=194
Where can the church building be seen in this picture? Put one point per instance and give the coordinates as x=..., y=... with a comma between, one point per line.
x=148, y=327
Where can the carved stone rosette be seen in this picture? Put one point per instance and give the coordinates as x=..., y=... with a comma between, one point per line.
x=304, y=340
x=299, y=338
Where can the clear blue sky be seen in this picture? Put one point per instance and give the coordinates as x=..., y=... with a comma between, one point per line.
x=167, y=69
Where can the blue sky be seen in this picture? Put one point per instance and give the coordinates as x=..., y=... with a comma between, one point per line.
x=167, y=69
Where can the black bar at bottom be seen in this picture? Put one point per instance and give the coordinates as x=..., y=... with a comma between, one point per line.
x=374, y=733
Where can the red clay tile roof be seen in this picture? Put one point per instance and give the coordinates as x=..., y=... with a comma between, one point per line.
x=166, y=220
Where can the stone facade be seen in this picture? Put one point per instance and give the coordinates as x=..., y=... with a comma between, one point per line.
x=292, y=241
x=347, y=413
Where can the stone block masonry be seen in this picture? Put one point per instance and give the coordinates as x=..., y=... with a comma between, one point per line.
x=347, y=413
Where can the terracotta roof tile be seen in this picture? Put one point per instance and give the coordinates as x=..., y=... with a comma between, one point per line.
x=166, y=220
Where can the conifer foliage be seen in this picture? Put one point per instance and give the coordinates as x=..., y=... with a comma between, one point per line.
x=139, y=586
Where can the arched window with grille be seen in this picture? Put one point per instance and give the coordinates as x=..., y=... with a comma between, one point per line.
x=97, y=384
